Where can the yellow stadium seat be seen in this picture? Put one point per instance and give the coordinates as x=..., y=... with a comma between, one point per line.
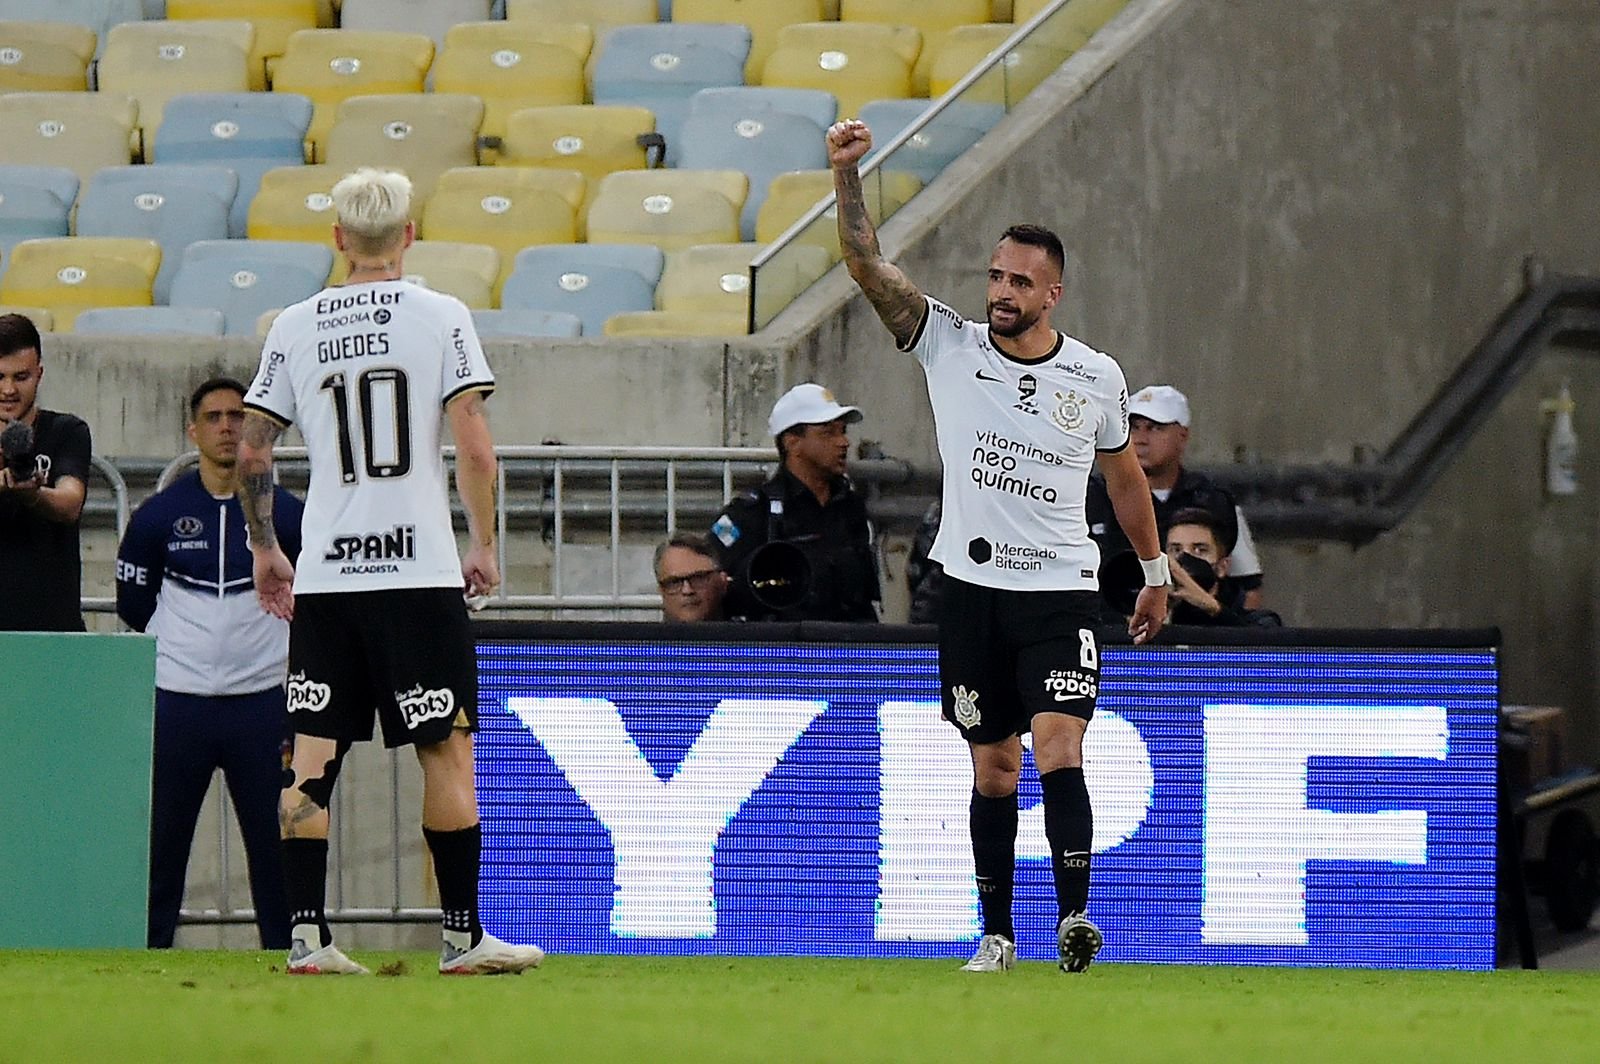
x=594, y=140
x=467, y=271
x=764, y=17
x=73, y=273
x=509, y=65
x=155, y=61
x=421, y=134
x=857, y=61
x=1018, y=74
x=275, y=21
x=264, y=322
x=506, y=207
x=791, y=195
x=934, y=18
x=41, y=317
x=329, y=66
x=1000, y=11
x=714, y=279
x=45, y=56
x=647, y=323
x=81, y=131
x=671, y=209
x=294, y=203
x=1085, y=16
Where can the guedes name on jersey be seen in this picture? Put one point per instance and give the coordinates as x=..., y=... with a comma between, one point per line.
x=356, y=345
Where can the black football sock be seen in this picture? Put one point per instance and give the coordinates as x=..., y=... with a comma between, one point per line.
x=456, y=857
x=993, y=823
x=1069, y=827
x=305, y=873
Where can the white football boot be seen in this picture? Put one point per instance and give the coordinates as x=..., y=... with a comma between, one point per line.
x=996, y=953
x=329, y=960
x=489, y=957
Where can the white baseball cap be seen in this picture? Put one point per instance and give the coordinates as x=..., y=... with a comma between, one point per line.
x=807, y=404
x=1161, y=403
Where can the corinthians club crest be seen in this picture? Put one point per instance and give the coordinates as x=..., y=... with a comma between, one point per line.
x=967, y=714
x=1068, y=414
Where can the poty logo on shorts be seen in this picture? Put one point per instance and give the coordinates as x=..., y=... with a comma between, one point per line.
x=307, y=694
x=418, y=706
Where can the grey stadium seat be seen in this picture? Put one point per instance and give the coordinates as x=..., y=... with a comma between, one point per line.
x=431, y=17
x=170, y=204
x=246, y=278
x=98, y=15
x=517, y=324
x=955, y=129
x=35, y=201
x=819, y=106
x=248, y=132
x=662, y=66
x=761, y=143
x=591, y=281
x=147, y=321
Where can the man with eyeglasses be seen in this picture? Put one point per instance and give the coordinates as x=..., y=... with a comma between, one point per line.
x=184, y=576
x=692, y=583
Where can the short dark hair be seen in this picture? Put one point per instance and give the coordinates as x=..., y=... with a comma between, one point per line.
x=1196, y=515
x=1037, y=236
x=701, y=545
x=214, y=384
x=18, y=333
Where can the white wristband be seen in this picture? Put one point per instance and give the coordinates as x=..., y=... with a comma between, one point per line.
x=1157, y=571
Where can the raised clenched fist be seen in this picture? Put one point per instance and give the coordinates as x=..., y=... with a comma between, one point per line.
x=848, y=142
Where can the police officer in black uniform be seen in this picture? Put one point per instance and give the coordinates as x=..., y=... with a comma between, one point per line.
x=800, y=547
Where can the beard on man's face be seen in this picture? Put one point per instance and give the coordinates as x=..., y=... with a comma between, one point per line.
x=1015, y=325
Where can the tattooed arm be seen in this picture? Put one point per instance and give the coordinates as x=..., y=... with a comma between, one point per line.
x=274, y=575
x=898, y=302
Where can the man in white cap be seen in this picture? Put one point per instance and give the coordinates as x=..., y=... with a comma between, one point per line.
x=1159, y=418
x=810, y=504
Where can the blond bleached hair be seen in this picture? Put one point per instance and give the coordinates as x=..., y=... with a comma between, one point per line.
x=373, y=207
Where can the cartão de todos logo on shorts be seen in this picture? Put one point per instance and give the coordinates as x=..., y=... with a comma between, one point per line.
x=1068, y=685
x=418, y=705
x=308, y=695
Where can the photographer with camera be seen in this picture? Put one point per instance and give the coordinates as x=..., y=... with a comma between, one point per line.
x=800, y=547
x=42, y=487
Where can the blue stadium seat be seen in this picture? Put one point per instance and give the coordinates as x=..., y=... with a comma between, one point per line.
x=519, y=324
x=248, y=132
x=246, y=278
x=145, y=321
x=170, y=204
x=35, y=201
x=957, y=128
x=98, y=15
x=762, y=143
x=591, y=281
x=735, y=103
x=661, y=66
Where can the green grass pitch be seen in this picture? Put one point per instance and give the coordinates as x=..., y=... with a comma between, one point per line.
x=237, y=1006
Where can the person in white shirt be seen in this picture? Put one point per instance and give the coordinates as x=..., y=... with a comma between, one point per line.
x=1021, y=413
x=370, y=370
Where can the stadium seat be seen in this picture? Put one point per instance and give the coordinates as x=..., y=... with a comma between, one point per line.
x=764, y=18
x=671, y=209
x=591, y=139
x=715, y=279
x=1018, y=74
x=171, y=204
x=736, y=103
x=601, y=16
x=510, y=65
x=329, y=66
x=1084, y=16
x=244, y=278
x=761, y=143
x=41, y=317
x=73, y=273
x=432, y=18
x=45, y=56
x=647, y=323
x=661, y=66
x=523, y=324
x=155, y=61
x=248, y=132
x=467, y=271
x=81, y=131
x=590, y=281
x=506, y=207
x=856, y=62
x=294, y=203
x=275, y=21
x=96, y=15
x=951, y=132
x=182, y=321
x=264, y=322
x=421, y=134
x=933, y=18
x=35, y=202
x=793, y=194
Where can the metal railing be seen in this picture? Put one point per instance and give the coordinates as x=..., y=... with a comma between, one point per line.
x=120, y=509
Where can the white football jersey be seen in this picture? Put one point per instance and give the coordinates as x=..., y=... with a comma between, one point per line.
x=1018, y=441
x=365, y=370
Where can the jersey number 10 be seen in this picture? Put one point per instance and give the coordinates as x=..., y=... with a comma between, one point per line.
x=389, y=381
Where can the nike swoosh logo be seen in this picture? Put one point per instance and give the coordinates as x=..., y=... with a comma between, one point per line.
x=984, y=377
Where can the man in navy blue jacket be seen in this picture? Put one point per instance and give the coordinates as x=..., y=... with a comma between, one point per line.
x=184, y=576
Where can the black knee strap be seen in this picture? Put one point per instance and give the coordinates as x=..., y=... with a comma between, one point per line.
x=320, y=788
